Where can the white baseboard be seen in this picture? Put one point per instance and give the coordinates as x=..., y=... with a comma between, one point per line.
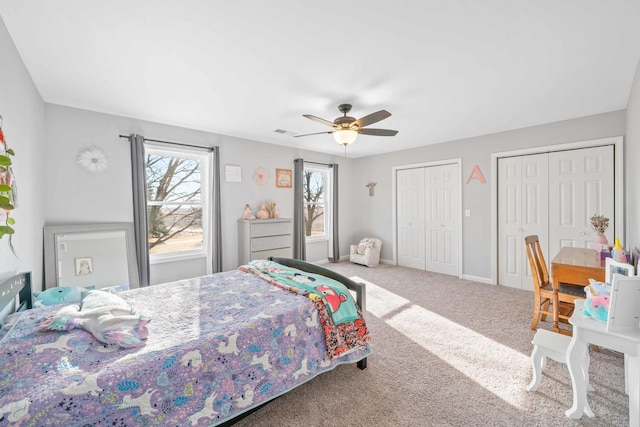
x=346, y=258
x=390, y=262
x=477, y=279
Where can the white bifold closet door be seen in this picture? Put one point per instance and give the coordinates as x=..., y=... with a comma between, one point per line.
x=552, y=195
x=582, y=185
x=428, y=214
x=411, y=218
x=523, y=204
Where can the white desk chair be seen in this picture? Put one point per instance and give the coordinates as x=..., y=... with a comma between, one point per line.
x=554, y=346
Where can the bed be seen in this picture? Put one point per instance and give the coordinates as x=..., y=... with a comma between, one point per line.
x=218, y=347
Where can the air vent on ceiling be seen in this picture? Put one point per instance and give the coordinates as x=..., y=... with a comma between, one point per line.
x=285, y=132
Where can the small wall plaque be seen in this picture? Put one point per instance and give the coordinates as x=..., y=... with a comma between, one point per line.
x=233, y=173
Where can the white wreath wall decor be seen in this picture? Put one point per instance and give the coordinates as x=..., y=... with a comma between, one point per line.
x=93, y=159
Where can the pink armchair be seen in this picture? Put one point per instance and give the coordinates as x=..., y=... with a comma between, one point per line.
x=367, y=252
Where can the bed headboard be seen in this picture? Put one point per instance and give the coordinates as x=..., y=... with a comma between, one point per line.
x=16, y=286
x=359, y=288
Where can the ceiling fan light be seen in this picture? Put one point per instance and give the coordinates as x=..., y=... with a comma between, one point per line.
x=345, y=136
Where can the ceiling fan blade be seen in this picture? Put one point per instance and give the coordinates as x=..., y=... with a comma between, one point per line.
x=378, y=132
x=318, y=119
x=372, y=118
x=316, y=133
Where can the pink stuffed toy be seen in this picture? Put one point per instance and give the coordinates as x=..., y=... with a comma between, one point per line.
x=247, y=214
x=597, y=307
x=262, y=213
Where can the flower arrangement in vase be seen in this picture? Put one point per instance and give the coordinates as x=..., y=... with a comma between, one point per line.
x=599, y=224
x=371, y=186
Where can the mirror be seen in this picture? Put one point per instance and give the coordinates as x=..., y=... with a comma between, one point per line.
x=90, y=255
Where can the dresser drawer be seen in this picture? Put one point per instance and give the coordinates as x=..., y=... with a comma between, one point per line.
x=283, y=252
x=270, y=229
x=262, y=238
x=271, y=242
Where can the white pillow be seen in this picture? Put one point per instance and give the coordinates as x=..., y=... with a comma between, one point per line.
x=107, y=316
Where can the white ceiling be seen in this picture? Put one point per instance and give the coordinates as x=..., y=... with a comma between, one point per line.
x=445, y=69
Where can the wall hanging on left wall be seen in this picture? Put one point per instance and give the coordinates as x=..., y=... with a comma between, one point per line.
x=93, y=159
x=8, y=190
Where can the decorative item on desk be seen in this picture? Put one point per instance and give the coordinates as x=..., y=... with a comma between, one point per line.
x=597, y=288
x=597, y=307
x=262, y=213
x=247, y=214
x=371, y=186
x=618, y=252
x=599, y=224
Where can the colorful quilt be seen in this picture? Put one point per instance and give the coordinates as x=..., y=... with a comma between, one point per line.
x=341, y=319
x=218, y=345
x=335, y=295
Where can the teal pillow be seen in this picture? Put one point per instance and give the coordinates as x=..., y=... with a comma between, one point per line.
x=59, y=295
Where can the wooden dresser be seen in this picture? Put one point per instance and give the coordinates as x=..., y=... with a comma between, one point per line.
x=261, y=238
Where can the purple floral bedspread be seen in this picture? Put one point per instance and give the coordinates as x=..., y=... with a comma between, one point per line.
x=218, y=345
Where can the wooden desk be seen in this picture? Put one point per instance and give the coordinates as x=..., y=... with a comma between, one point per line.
x=589, y=331
x=574, y=266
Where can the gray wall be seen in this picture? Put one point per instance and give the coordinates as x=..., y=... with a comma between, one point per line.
x=75, y=195
x=24, y=127
x=477, y=229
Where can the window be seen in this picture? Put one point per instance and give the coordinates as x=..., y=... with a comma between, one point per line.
x=317, y=199
x=177, y=203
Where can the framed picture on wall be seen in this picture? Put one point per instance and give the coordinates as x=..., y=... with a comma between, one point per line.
x=84, y=266
x=283, y=178
x=233, y=173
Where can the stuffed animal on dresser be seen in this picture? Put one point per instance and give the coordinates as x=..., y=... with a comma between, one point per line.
x=247, y=214
x=262, y=213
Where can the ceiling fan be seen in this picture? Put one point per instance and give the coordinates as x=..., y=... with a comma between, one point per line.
x=346, y=128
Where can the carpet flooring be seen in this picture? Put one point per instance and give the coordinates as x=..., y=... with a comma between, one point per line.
x=447, y=352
